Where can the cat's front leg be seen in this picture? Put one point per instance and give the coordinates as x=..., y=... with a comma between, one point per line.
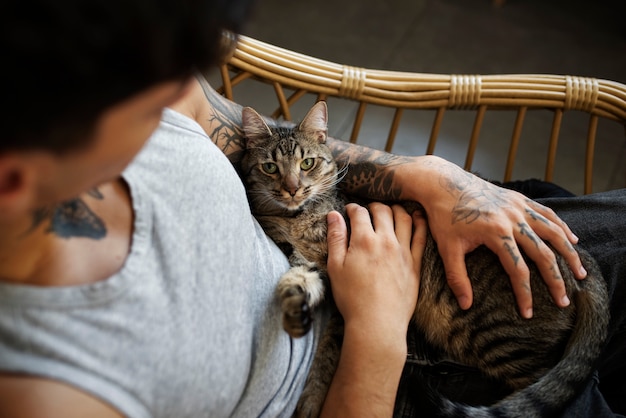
x=300, y=290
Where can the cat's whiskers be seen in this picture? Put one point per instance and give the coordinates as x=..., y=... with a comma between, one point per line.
x=264, y=202
x=328, y=184
x=342, y=172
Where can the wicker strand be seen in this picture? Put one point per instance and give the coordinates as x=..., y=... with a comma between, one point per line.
x=581, y=93
x=352, y=82
x=465, y=90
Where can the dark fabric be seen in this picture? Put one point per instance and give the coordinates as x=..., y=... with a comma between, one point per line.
x=536, y=189
x=599, y=220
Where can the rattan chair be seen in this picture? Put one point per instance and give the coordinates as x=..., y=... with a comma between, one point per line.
x=293, y=76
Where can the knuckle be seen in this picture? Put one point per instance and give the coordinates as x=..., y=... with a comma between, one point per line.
x=334, y=235
x=454, y=279
x=376, y=206
x=549, y=212
x=546, y=256
x=400, y=212
x=500, y=229
x=520, y=274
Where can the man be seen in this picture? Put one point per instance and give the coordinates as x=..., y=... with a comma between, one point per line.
x=134, y=280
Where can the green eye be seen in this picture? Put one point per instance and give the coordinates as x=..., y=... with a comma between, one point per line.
x=269, y=168
x=307, y=163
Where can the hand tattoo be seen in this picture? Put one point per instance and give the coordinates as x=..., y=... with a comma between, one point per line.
x=524, y=229
x=534, y=215
x=511, y=250
x=477, y=198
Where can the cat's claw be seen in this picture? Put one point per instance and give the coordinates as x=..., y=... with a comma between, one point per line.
x=297, y=316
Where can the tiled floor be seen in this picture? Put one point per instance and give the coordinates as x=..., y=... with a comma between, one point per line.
x=582, y=38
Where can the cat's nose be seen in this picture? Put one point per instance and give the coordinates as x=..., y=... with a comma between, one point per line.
x=291, y=184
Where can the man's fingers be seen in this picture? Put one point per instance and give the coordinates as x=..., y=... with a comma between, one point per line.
x=545, y=259
x=513, y=263
x=418, y=240
x=403, y=224
x=337, y=238
x=382, y=217
x=456, y=275
x=360, y=220
x=550, y=215
x=551, y=228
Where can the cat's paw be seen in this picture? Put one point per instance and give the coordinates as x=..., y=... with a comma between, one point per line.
x=300, y=290
x=297, y=317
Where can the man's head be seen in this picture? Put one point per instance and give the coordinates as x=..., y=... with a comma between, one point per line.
x=66, y=63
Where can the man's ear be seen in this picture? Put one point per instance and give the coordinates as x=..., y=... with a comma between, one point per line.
x=16, y=185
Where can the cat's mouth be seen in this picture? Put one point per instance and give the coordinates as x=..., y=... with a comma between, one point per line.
x=293, y=203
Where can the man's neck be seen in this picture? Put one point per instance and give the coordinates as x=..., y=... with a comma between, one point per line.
x=58, y=245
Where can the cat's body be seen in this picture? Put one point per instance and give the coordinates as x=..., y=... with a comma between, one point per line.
x=291, y=180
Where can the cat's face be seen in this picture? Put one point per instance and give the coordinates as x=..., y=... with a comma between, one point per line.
x=286, y=167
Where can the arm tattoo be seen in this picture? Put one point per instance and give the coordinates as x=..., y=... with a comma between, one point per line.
x=224, y=125
x=370, y=172
x=72, y=218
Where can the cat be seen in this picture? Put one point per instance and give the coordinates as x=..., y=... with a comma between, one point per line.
x=291, y=180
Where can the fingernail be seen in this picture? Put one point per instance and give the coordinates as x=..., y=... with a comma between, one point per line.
x=575, y=237
x=582, y=271
x=565, y=301
x=331, y=218
x=528, y=313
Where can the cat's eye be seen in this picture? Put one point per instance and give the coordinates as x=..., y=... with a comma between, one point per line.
x=307, y=163
x=269, y=168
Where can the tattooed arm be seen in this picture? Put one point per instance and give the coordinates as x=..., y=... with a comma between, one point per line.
x=463, y=210
x=219, y=117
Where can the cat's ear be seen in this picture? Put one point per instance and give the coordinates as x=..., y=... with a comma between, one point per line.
x=316, y=121
x=254, y=126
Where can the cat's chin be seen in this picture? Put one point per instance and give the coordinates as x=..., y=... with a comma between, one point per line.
x=293, y=205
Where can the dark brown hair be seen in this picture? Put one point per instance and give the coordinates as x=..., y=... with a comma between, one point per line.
x=64, y=62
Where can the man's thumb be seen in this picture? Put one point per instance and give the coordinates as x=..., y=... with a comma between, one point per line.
x=337, y=238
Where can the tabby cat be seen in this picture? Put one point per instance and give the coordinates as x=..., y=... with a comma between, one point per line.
x=291, y=180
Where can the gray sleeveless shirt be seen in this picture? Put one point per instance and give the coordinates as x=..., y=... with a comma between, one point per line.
x=190, y=326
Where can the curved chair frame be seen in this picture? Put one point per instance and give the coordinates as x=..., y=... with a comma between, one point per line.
x=303, y=74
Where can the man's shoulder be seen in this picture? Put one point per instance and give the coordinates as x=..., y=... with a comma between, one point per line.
x=193, y=103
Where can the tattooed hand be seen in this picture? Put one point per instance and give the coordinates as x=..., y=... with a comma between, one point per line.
x=465, y=211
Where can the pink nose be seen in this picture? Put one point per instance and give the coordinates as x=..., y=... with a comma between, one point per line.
x=291, y=184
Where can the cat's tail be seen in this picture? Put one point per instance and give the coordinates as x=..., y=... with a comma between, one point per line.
x=549, y=395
